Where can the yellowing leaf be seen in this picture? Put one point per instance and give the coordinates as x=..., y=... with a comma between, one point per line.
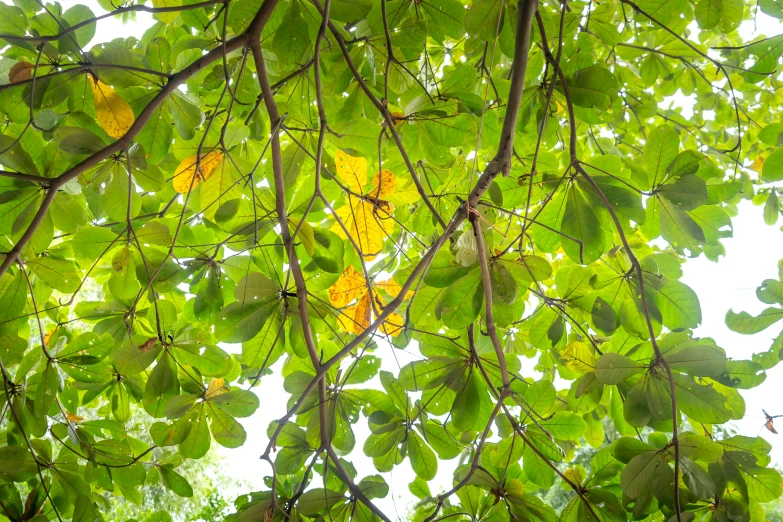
x=356, y=318
x=305, y=234
x=48, y=336
x=222, y=186
x=167, y=17
x=186, y=171
x=397, y=117
x=217, y=386
x=392, y=288
x=578, y=357
x=352, y=171
x=73, y=418
x=349, y=286
x=384, y=184
x=113, y=113
x=576, y=474
x=393, y=324
x=367, y=223
x=403, y=194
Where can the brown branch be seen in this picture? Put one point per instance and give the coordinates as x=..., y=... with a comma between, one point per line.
x=487, y=280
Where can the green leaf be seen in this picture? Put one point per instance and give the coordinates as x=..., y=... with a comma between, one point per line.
x=462, y=301
x=17, y=464
x=679, y=306
x=62, y=275
x=317, y=500
x=175, y=482
x=329, y=251
x=772, y=208
x=745, y=323
x=240, y=322
x=593, y=86
x=626, y=448
x=484, y=19
x=465, y=410
x=584, y=240
x=698, y=360
x=237, y=402
x=637, y=477
x=764, y=484
x=162, y=385
x=565, y=425
x=700, y=447
x=292, y=37
x=687, y=192
x=613, y=368
x=423, y=459
x=12, y=20
x=700, y=403
x=772, y=170
x=726, y=15
x=504, y=287
x=660, y=150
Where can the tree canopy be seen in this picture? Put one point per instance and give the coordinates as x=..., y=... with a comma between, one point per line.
x=505, y=190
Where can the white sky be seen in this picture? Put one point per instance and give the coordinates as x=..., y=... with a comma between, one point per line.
x=751, y=257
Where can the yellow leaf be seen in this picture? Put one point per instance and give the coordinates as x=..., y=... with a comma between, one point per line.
x=578, y=357
x=356, y=318
x=393, y=324
x=48, y=336
x=383, y=184
x=114, y=115
x=186, y=171
x=368, y=224
x=349, y=286
x=217, y=386
x=168, y=17
x=392, y=288
x=397, y=117
x=353, y=171
x=73, y=418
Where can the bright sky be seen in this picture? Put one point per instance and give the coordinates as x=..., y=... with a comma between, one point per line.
x=751, y=257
